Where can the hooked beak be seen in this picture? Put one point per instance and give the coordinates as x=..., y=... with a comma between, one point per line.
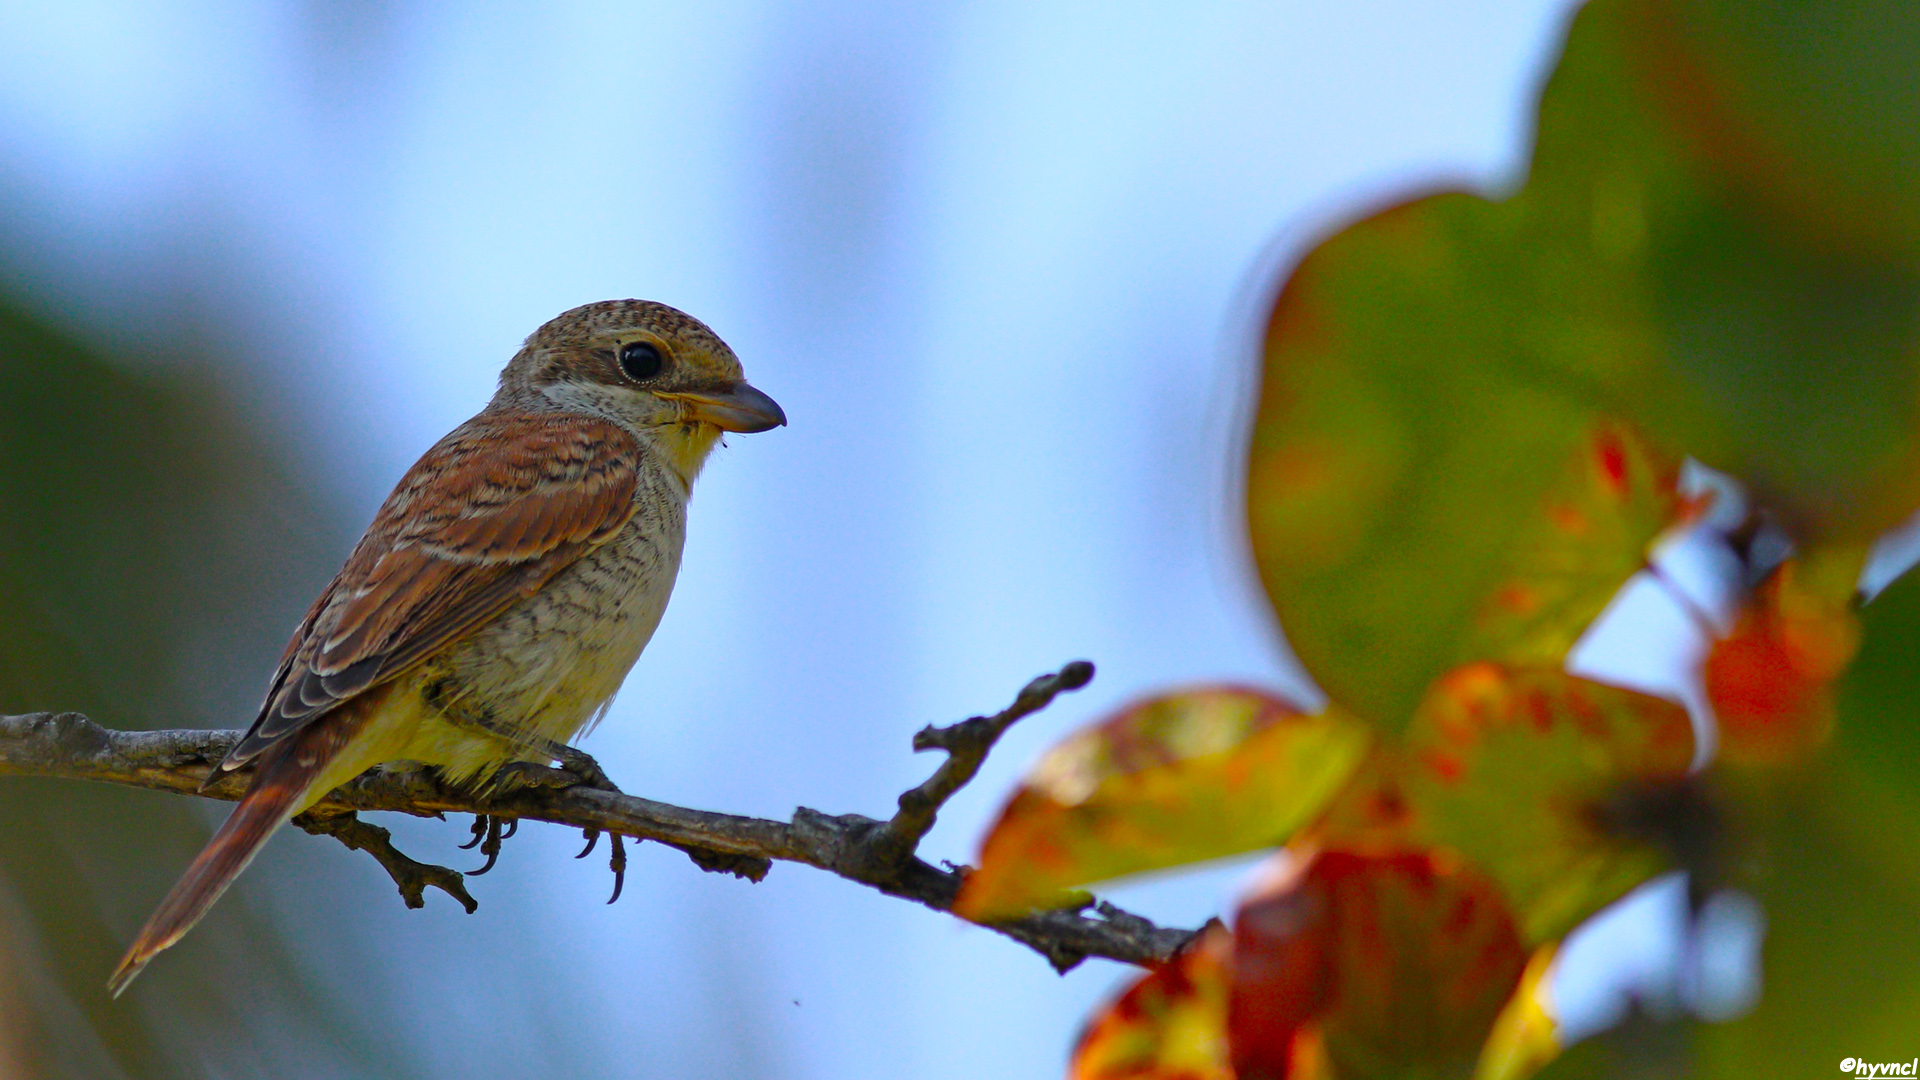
x=737, y=408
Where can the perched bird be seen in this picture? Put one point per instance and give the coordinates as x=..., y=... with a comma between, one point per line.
x=503, y=590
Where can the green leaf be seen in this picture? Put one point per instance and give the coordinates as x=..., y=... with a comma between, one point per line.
x=1784, y=321
x=1811, y=109
x=1570, y=558
x=1429, y=369
x=1172, y=780
x=1406, y=432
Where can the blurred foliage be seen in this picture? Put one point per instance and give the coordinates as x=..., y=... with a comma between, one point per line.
x=1194, y=775
x=1836, y=863
x=1470, y=423
x=140, y=526
x=1171, y=1024
x=1512, y=767
x=1370, y=962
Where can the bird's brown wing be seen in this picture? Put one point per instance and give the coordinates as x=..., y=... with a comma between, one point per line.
x=486, y=517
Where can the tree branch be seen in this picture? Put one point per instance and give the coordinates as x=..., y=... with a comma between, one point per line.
x=879, y=854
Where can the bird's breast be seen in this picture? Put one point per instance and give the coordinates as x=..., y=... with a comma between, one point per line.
x=548, y=664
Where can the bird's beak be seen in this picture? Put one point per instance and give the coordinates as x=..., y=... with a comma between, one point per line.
x=737, y=408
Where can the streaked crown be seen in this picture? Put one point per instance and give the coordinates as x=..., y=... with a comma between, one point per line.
x=585, y=345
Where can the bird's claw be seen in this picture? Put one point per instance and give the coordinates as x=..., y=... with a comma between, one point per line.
x=618, y=864
x=488, y=832
x=479, y=832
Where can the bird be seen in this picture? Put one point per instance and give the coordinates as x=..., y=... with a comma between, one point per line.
x=502, y=592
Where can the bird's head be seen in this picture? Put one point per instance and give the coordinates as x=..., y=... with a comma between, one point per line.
x=656, y=371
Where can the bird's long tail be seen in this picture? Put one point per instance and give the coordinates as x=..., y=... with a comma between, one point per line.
x=285, y=773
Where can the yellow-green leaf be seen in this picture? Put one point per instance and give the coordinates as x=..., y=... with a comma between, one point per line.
x=1172, y=780
x=1522, y=769
x=1525, y=1036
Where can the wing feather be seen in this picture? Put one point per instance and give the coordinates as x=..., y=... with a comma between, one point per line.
x=487, y=516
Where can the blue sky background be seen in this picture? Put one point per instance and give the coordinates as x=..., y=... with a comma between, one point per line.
x=1004, y=264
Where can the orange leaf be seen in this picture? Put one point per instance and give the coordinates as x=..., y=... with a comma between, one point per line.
x=1770, y=680
x=1171, y=780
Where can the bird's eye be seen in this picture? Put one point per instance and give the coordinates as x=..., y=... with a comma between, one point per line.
x=641, y=360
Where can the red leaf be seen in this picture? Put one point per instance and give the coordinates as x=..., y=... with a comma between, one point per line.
x=1170, y=1025
x=1382, y=961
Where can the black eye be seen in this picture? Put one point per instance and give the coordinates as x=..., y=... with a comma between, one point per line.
x=641, y=360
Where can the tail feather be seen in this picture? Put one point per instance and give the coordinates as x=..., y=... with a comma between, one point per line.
x=272, y=798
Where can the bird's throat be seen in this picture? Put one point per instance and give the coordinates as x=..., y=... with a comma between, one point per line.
x=686, y=446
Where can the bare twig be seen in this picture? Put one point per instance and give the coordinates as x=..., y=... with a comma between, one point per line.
x=966, y=744
x=413, y=878
x=879, y=854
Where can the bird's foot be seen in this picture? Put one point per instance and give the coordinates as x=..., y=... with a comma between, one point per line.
x=577, y=769
x=563, y=767
x=581, y=764
x=413, y=878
